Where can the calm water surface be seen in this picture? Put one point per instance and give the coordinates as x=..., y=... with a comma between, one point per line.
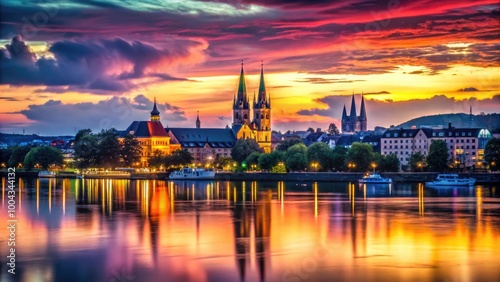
x=148, y=230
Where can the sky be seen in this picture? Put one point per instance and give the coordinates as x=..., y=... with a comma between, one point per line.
x=66, y=65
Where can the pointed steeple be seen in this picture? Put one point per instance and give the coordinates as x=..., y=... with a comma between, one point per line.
x=262, y=99
x=198, y=123
x=241, y=95
x=155, y=114
x=353, y=108
x=362, y=114
x=344, y=114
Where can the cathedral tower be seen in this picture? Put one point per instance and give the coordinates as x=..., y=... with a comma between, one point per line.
x=363, y=120
x=241, y=106
x=262, y=114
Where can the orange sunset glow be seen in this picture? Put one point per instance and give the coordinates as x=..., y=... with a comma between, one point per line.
x=69, y=66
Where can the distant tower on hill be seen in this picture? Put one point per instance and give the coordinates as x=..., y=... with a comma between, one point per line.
x=471, y=118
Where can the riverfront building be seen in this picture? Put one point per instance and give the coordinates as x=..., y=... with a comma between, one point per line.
x=465, y=145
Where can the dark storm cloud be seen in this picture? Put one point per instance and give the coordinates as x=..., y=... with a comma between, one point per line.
x=88, y=65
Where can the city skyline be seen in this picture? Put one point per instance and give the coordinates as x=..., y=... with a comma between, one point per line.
x=98, y=70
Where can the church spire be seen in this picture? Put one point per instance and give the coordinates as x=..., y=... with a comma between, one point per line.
x=198, y=123
x=344, y=114
x=155, y=114
x=362, y=114
x=353, y=108
x=241, y=95
x=262, y=99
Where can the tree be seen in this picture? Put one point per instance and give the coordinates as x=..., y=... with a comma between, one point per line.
x=130, y=151
x=319, y=130
x=391, y=163
x=157, y=159
x=253, y=159
x=332, y=129
x=85, y=149
x=320, y=153
x=181, y=157
x=283, y=146
x=222, y=162
x=310, y=129
x=339, y=154
x=268, y=161
x=417, y=162
x=18, y=154
x=108, y=148
x=438, y=156
x=5, y=156
x=81, y=133
x=296, y=157
x=360, y=156
x=492, y=153
x=43, y=156
x=243, y=148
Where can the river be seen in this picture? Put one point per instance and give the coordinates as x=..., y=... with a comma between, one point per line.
x=151, y=230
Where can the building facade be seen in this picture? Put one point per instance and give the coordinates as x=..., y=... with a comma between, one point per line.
x=353, y=122
x=465, y=145
x=258, y=127
x=151, y=136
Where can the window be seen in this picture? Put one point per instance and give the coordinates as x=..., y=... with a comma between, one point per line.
x=404, y=134
x=463, y=133
x=467, y=147
x=467, y=141
x=395, y=135
x=469, y=134
x=473, y=146
x=385, y=141
x=441, y=134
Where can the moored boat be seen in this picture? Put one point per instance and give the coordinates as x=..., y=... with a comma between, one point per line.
x=375, y=178
x=451, y=180
x=192, y=173
x=46, y=174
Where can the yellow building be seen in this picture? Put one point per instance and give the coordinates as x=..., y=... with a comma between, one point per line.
x=152, y=136
x=259, y=128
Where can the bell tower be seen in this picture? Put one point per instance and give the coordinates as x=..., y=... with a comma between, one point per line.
x=262, y=114
x=155, y=114
x=241, y=106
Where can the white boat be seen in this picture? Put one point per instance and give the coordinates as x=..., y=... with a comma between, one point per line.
x=375, y=178
x=451, y=180
x=192, y=173
x=46, y=174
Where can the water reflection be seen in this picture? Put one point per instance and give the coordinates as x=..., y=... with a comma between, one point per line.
x=100, y=230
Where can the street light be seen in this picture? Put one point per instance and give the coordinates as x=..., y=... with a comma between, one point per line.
x=315, y=166
x=420, y=166
x=374, y=165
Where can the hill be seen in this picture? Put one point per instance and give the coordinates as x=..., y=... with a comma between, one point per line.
x=489, y=121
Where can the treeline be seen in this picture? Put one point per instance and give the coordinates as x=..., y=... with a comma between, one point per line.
x=29, y=157
x=293, y=155
x=104, y=149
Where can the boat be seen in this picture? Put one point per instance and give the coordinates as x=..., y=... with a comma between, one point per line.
x=46, y=174
x=192, y=173
x=375, y=178
x=451, y=180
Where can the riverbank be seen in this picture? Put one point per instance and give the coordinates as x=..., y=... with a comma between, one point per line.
x=481, y=178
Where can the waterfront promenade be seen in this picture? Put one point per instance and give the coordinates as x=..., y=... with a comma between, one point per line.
x=481, y=178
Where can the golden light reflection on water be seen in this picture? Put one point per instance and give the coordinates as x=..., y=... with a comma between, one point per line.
x=253, y=231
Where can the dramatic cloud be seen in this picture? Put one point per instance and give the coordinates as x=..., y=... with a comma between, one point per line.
x=115, y=112
x=468, y=89
x=101, y=65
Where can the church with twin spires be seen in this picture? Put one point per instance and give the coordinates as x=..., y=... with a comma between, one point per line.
x=250, y=120
x=258, y=127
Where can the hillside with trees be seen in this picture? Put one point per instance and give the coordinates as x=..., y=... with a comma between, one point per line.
x=489, y=121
